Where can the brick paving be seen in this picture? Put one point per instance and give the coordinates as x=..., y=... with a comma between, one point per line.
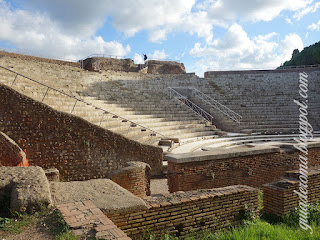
x=86, y=219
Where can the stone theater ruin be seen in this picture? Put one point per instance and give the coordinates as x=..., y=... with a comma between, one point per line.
x=97, y=133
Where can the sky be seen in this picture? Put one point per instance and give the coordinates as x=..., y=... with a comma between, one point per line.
x=202, y=34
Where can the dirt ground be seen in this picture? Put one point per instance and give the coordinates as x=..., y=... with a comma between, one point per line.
x=30, y=233
x=159, y=186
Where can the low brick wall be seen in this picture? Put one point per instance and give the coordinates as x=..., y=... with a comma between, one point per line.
x=279, y=198
x=188, y=212
x=77, y=148
x=135, y=177
x=225, y=167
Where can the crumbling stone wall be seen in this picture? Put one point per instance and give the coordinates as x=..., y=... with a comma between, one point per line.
x=77, y=148
x=127, y=65
x=279, y=198
x=112, y=64
x=233, y=166
x=165, y=67
x=135, y=177
x=189, y=212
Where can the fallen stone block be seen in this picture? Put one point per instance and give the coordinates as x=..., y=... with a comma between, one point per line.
x=28, y=188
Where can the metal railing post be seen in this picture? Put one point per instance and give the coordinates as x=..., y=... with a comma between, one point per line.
x=128, y=129
x=45, y=94
x=14, y=80
x=101, y=118
x=74, y=105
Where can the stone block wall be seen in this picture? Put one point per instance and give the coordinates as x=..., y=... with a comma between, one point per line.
x=189, y=212
x=279, y=198
x=135, y=177
x=225, y=167
x=77, y=148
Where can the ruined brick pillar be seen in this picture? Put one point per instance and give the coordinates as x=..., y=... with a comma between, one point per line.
x=135, y=177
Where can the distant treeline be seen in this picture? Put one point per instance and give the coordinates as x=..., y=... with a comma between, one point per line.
x=308, y=56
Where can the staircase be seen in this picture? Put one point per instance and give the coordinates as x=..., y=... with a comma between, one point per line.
x=265, y=100
x=139, y=114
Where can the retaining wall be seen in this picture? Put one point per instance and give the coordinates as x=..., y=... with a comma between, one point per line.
x=77, y=148
x=225, y=167
x=279, y=198
x=189, y=212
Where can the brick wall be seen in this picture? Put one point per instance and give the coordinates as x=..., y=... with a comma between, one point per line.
x=135, y=177
x=77, y=148
x=185, y=212
x=227, y=167
x=279, y=198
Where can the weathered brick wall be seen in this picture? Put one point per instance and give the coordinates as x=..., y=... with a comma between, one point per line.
x=185, y=212
x=135, y=177
x=279, y=198
x=212, y=170
x=77, y=148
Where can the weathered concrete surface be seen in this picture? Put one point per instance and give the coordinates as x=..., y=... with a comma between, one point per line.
x=104, y=193
x=28, y=187
x=10, y=153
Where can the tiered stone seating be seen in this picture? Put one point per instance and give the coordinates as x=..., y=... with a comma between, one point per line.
x=265, y=99
x=143, y=101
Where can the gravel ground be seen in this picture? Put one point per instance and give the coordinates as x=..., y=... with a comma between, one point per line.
x=159, y=186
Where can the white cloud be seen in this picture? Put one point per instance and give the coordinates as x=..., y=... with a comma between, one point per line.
x=237, y=51
x=249, y=10
x=137, y=58
x=158, y=55
x=39, y=34
x=315, y=26
x=310, y=9
x=288, y=20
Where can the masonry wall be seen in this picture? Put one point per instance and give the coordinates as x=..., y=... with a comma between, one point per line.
x=189, y=212
x=135, y=177
x=77, y=148
x=252, y=170
x=279, y=198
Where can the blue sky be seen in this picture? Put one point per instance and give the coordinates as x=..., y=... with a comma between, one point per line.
x=204, y=35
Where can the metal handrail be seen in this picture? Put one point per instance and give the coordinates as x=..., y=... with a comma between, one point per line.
x=104, y=55
x=194, y=107
x=215, y=104
x=220, y=107
x=83, y=101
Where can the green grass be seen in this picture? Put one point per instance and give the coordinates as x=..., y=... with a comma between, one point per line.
x=49, y=219
x=266, y=227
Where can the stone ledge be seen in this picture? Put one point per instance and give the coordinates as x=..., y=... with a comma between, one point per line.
x=180, y=197
x=218, y=154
